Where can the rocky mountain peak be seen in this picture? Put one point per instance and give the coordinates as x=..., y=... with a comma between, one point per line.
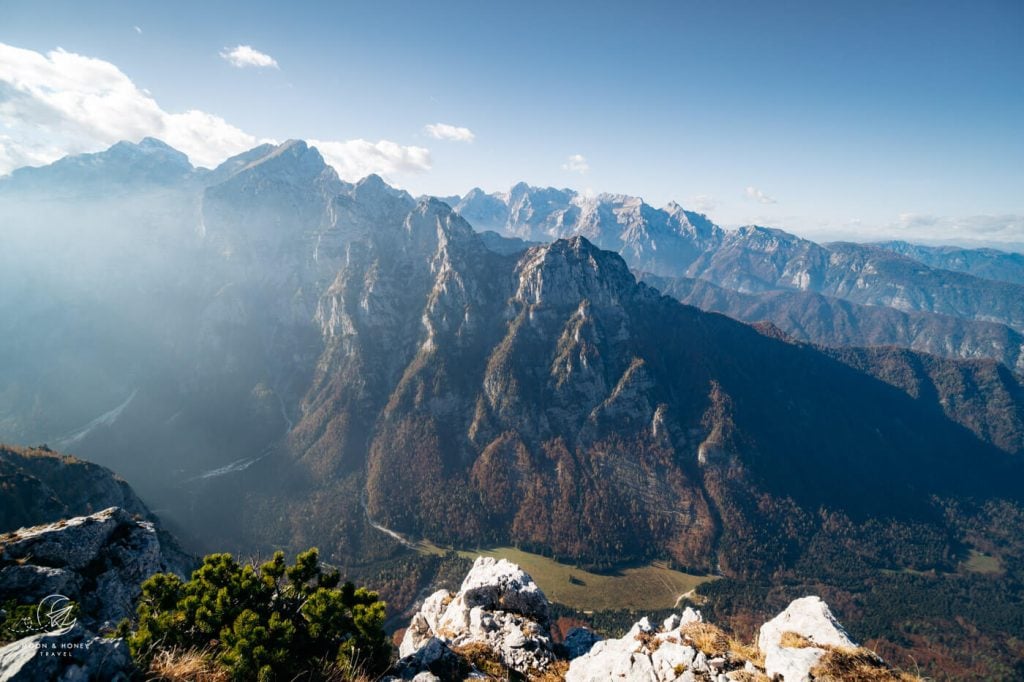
x=484, y=211
x=153, y=147
x=766, y=234
x=124, y=164
x=233, y=164
x=292, y=162
x=373, y=188
x=568, y=271
x=518, y=190
x=695, y=224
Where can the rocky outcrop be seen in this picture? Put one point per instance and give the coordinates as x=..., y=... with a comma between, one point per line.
x=97, y=561
x=497, y=626
x=796, y=640
x=498, y=606
x=76, y=656
x=49, y=486
x=682, y=648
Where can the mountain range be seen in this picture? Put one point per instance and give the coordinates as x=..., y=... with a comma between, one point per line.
x=948, y=301
x=277, y=358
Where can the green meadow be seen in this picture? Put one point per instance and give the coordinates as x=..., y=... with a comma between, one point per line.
x=650, y=587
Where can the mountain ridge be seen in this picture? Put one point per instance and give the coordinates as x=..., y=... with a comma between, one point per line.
x=297, y=348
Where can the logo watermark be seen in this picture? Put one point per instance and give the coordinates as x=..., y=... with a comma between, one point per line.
x=54, y=615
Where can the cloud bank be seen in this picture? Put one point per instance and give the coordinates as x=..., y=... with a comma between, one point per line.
x=61, y=103
x=1004, y=228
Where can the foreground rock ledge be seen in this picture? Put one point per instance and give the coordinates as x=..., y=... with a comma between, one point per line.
x=498, y=624
x=98, y=562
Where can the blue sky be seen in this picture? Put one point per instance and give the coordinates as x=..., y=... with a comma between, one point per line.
x=830, y=119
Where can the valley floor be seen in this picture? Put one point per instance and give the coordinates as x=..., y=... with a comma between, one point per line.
x=651, y=587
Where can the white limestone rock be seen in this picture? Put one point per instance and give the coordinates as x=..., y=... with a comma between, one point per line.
x=501, y=585
x=809, y=617
x=669, y=656
x=690, y=615
x=434, y=660
x=499, y=605
x=416, y=636
x=644, y=654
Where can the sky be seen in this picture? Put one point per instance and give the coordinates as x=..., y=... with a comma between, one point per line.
x=862, y=120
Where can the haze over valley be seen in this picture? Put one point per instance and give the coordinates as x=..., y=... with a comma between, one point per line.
x=482, y=342
x=274, y=357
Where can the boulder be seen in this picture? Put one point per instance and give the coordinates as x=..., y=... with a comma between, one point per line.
x=434, y=659
x=690, y=615
x=498, y=605
x=812, y=620
x=580, y=641
x=500, y=585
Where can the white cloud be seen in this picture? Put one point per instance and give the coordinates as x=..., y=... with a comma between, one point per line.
x=137, y=30
x=65, y=103
x=1004, y=231
x=702, y=203
x=354, y=159
x=242, y=56
x=62, y=103
x=758, y=196
x=1008, y=228
x=577, y=163
x=444, y=131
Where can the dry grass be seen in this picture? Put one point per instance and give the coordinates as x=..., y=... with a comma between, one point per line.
x=747, y=652
x=553, y=673
x=846, y=664
x=175, y=665
x=713, y=641
x=856, y=665
x=484, y=659
x=794, y=640
x=648, y=640
x=745, y=676
x=336, y=674
x=707, y=638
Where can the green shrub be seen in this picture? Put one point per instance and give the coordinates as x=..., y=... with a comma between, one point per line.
x=268, y=622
